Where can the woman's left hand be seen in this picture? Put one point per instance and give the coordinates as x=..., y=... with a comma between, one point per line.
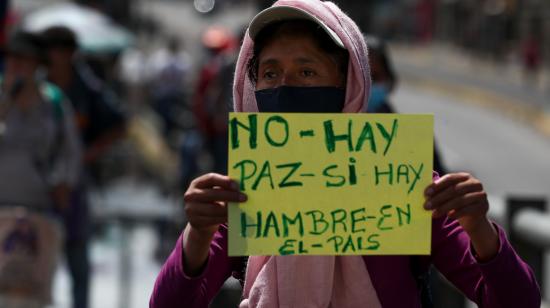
x=462, y=197
x=459, y=196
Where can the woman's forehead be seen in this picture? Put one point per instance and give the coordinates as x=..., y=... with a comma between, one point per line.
x=302, y=48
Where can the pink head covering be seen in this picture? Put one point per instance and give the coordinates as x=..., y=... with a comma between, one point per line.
x=358, y=79
x=294, y=281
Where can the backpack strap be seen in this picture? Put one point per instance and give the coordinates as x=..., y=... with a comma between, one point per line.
x=422, y=277
x=53, y=95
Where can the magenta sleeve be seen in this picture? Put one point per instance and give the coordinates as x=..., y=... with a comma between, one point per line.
x=504, y=281
x=173, y=288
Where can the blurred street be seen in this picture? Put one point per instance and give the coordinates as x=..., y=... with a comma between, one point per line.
x=488, y=121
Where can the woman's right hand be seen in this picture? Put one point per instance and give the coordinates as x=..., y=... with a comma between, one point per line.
x=206, y=208
x=206, y=201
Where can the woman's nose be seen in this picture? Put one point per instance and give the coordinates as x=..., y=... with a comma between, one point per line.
x=288, y=79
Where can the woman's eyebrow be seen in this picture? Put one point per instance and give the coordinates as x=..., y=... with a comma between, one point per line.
x=269, y=61
x=302, y=60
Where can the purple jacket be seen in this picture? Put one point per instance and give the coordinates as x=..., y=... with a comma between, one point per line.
x=505, y=281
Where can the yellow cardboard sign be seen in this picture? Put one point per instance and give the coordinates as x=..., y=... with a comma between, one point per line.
x=330, y=184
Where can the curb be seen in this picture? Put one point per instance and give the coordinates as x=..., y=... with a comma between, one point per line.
x=514, y=109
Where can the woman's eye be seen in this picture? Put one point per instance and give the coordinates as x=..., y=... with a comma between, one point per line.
x=308, y=73
x=269, y=75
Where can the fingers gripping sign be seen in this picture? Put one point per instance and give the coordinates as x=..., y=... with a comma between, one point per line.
x=459, y=196
x=462, y=197
x=206, y=201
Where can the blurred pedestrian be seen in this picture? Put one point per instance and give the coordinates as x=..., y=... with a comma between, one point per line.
x=212, y=94
x=100, y=124
x=4, y=6
x=531, y=58
x=308, y=56
x=384, y=83
x=39, y=167
x=425, y=20
x=169, y=69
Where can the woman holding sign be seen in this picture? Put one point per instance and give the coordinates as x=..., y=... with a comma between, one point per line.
x=308, y=56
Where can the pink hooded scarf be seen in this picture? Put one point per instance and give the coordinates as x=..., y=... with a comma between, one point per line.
x=358, y=79
x=310, y=281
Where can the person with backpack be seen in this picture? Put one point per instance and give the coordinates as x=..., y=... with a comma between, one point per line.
x=40, y=162
x=308, y=56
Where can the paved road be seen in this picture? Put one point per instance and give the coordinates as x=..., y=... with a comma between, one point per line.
x=145, y=202
x=105, y=291
x=509, y=157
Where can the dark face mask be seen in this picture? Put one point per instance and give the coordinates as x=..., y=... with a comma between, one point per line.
x=301, y=99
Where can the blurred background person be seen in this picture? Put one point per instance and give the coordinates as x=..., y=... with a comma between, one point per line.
x=169, y=68
x=40, y=164
x=3, y=20
x=384, y=82
x=213, y=94
x=8, y=19
x=100, y=124
x=531, y=58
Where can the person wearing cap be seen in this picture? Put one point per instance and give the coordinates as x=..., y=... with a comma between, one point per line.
x=308, y=56
x=39, y=163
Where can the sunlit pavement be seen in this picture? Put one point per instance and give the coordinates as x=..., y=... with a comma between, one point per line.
x=105, y=266
x=501, y=87
x=127, y=209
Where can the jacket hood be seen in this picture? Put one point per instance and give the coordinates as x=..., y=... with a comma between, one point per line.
x=358, y=78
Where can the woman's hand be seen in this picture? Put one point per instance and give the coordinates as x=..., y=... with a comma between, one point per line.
x=206, y=208
x=206, y=201
x=462, y=197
